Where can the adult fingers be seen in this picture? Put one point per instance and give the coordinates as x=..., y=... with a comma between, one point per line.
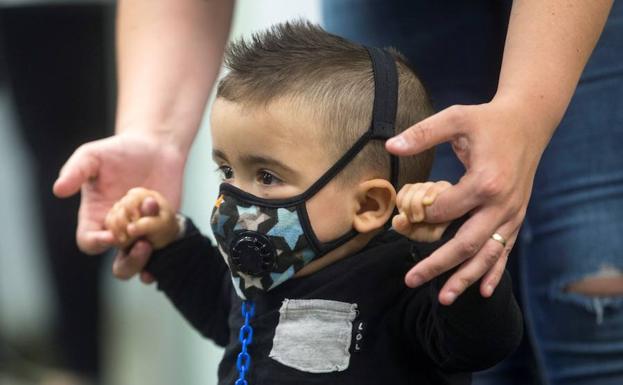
x=466, y=243
x=81, y=166
x=456, y=201
x=435, y=129
x=95, y=241
x=150, y=207
x=90, y=236
x=128, y=264
x=491, y=280
x=121, y=221
x=476, y=267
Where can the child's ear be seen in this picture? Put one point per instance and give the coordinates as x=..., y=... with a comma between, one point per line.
x=376, y=200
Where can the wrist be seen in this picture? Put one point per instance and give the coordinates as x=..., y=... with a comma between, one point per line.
x=544, y=111
x=177, y=138
x=535, y=122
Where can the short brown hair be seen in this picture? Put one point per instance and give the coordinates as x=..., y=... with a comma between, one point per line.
x=300, y=62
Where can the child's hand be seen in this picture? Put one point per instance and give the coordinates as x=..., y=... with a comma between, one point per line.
x=411, y=202
x=127, y=224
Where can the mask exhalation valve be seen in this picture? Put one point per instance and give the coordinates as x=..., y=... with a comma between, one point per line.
x=253, y=253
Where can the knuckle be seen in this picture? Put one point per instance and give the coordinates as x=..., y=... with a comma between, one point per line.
x=468, y=247
x=458, y=115
x=491, y=186
x=489, y=258
x=464, y=281
x=421, y=133
x=433, y=270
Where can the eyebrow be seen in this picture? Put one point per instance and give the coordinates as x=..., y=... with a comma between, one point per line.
x=216, y=153
x=256, y=159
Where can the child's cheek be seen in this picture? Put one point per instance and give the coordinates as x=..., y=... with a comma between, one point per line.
x=330, y=215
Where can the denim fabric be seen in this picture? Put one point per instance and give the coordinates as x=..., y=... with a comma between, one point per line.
x=574, y=224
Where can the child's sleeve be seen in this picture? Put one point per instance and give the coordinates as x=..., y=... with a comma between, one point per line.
x=472, y=334
x=191, y=272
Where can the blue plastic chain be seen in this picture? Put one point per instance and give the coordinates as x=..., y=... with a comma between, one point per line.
x=243, y=363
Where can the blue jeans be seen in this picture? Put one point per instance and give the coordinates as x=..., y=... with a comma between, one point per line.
x=574, y=224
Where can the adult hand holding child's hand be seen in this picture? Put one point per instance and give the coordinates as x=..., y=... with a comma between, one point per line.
x=103, y=171
x=500, y=146
x=411, y=202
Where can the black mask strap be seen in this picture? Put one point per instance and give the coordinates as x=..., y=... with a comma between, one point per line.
x=385, y=101
x=383, y=119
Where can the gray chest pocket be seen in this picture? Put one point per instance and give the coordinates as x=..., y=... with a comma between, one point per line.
x=314, y=335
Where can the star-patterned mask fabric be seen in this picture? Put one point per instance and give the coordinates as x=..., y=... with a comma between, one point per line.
x=266, y=241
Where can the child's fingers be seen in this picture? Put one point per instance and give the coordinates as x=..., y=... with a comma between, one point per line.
x=401, y=194
x=405, y=201
x=421, y=232
x=401, y=224
x=434, y=190
x=134, y=212
x=424, y=232
x=121, y=222
x=132, y=201
x=111, y=222
x=144, y=226
x=417, y=213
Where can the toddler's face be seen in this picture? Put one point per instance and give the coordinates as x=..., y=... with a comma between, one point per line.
x=276, y=152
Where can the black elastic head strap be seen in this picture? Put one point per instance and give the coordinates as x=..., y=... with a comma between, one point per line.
x=385, y=101
x=383, y=119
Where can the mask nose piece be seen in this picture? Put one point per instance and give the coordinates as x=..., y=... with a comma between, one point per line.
x=252, y=253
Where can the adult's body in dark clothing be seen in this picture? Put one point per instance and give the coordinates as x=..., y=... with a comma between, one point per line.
x=57, y=68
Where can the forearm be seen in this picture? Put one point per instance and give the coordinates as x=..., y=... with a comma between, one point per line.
x=547, y=46
x=169, y=54
x=194, y=277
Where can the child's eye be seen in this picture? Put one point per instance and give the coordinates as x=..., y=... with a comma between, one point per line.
x=266, y=178
x=226, y=172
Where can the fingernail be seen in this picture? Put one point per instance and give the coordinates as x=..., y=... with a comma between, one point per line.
x=397, y=142
x=488, y=290
x=415, y=280
x=450, y=296
x=427, y=200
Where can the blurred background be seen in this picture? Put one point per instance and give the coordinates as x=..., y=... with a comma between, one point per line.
x=64, y=320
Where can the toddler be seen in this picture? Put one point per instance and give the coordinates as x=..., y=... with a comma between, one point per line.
x=305, y=284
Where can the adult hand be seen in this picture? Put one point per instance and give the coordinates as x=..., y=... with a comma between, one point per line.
x=103, y=171
x=500, y=143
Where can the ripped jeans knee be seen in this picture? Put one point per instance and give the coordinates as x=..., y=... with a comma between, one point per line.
x=598, y=292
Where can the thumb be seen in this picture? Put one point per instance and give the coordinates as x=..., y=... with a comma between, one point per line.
x=79, y=168
x=401, y=224
x=438, y=128
x=150, y=207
